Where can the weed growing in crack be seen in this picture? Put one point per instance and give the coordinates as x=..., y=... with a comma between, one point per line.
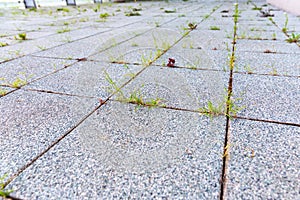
x=285, y=29
x=113, y=87
x=18, y=82
x=248, y=69
x=274, y=36
x=104, y=15
x=2, y=92
x=132, y=13
x=214, y=28
x=146, y=60
x=3, y=44
x=3, y=192
x=170, y=11
x=21, y=36
x=294, y=38
x=42, y=48
x=64, y=30
x=136, y=97
x=62, y=10
x=226, y=107
x=212, y=110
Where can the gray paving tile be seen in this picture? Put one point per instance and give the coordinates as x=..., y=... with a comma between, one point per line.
x=207, y=40
x=195, y=58
x=87, y=79
x=264, y=161
x=263, y=46
x=29, y=68
x=183, y=88
x=268, y=97
x=124, y=152
x=31, y=121
x=280, y=64
x=91, y=45
x=157, y=38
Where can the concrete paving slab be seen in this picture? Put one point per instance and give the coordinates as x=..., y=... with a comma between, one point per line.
x=262, y=63
x=195, y=58
x=87, y=79
x=267, y=46
x=129, y=49
x=31, y=121
x=207, y=40
x=157, y=38
x=264, y=161
x=178, y=87
x=115, y=155
x=91, y=45
x=29, y=68
x=274, y=98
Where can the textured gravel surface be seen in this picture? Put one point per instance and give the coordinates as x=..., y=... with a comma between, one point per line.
x=265, y=159
x=94, y=107
x=31, y=121
x=270, y=98
x=114, y=155
x=87, y=79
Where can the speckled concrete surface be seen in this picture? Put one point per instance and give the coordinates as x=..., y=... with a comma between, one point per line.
x=99, y=111
x=264, y=161
x=114, y=155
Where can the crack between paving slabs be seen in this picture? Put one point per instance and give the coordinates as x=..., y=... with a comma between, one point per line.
x=226, y=151
x=98, y=107
x=267, y=121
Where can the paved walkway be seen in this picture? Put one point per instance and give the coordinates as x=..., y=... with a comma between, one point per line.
x=173, y=104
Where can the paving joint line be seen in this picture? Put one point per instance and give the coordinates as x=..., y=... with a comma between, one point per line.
x=267, y=121
x=58, y=93
x=226, y=150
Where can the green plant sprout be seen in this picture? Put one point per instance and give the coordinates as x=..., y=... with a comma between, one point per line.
x=64, y=30
x=97, y=8
x=146, y=60
x=170, y=11
x=113, y=87
x=21, y=36
x=248, y=69
x=42, y=48
x=104, y=15
x=285, y=29
x=3, y=44
x=294, y=38
x=212, y=110
x=85, y=19
x=62, y=10
x=18, y=82
x=2, y=92
x=214, y=28
x=136, y=97
x=3, y=192
x=132, y=13
x=274, y=36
